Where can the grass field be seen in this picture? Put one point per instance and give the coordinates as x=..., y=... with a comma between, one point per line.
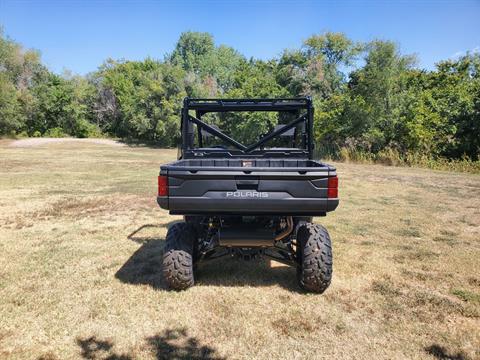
x=81, y=239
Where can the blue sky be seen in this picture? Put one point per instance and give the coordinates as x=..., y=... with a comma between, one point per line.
x=80, y=35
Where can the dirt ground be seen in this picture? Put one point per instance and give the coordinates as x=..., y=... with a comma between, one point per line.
x=81, y=240
x=34, y=142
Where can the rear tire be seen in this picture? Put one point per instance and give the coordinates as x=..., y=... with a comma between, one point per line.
x=314, y=258
x=178, y=256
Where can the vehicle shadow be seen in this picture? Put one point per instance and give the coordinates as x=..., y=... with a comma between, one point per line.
x=144, y=267
x=137, y=237
x=232, y=271
x=170, y=344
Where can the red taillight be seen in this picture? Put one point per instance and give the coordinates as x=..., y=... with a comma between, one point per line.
x=332, y=191
x=162, y=185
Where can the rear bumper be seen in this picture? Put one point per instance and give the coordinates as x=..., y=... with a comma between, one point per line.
x=274, y=204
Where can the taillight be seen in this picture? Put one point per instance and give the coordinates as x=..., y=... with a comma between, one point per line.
x=162, y=185
x=332, y=191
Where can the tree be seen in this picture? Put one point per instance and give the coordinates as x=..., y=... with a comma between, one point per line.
x=332, y=50
x=252, y=79
x=141, y=99
x=455, y=87
x=377, y=93
x=18, y=69
x=194, y=52
x=209, y=69
x=11, y=119
x=316, y=68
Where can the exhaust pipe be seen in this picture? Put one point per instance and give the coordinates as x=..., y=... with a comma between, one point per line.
x=245, y=237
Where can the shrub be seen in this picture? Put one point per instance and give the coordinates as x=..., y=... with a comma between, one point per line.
x=55, y=132
x=85, y=129
x=390, y=157
x=12, y=134
x=22, y=134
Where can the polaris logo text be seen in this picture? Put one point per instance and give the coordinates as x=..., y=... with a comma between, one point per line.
x=247, y=194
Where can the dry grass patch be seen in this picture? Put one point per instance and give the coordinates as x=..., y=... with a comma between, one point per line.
x=81, y=241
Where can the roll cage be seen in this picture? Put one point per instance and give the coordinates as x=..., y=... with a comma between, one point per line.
x=301, y=107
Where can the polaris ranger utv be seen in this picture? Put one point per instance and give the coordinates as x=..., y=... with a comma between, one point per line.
x=248, y=200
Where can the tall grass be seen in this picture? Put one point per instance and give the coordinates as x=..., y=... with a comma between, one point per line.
x=392, y=157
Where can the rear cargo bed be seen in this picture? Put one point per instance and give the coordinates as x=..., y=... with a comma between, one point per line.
x=248, y=187
x=258, y=164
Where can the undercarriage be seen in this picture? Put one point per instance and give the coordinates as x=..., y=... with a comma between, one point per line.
x=246, y=237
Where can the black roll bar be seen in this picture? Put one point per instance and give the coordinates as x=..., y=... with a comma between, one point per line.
x=203, y=106
x=275, y=133
x=217, y=133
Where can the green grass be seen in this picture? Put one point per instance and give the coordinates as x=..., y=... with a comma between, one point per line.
x=81, y=240
x=467, y=296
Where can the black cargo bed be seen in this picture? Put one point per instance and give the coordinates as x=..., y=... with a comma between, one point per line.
x=242, y=164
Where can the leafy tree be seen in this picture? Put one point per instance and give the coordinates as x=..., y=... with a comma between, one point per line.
x=11, y=119
x=209, y=69
x=145, y=96
x=455, y=86
x=194, y=52
x=316, y=69
x=53, y=96
x=18, y=68
x=376, y=94
x=332, y=51
x=252, y=79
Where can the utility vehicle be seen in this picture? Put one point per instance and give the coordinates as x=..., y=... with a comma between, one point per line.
x=248, y=200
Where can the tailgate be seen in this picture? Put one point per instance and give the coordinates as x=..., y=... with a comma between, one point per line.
x=252, y=191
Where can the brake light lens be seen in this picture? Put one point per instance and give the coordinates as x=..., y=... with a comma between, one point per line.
x=332, y=191
x=162, y=185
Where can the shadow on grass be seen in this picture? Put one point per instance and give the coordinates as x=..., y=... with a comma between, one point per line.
x=439, y=352
x=134, y=235
x=231, y=271
x=171, y=344
x=144, y=267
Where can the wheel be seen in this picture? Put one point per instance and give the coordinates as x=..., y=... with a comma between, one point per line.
x=314, y=258
x=178, y=256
